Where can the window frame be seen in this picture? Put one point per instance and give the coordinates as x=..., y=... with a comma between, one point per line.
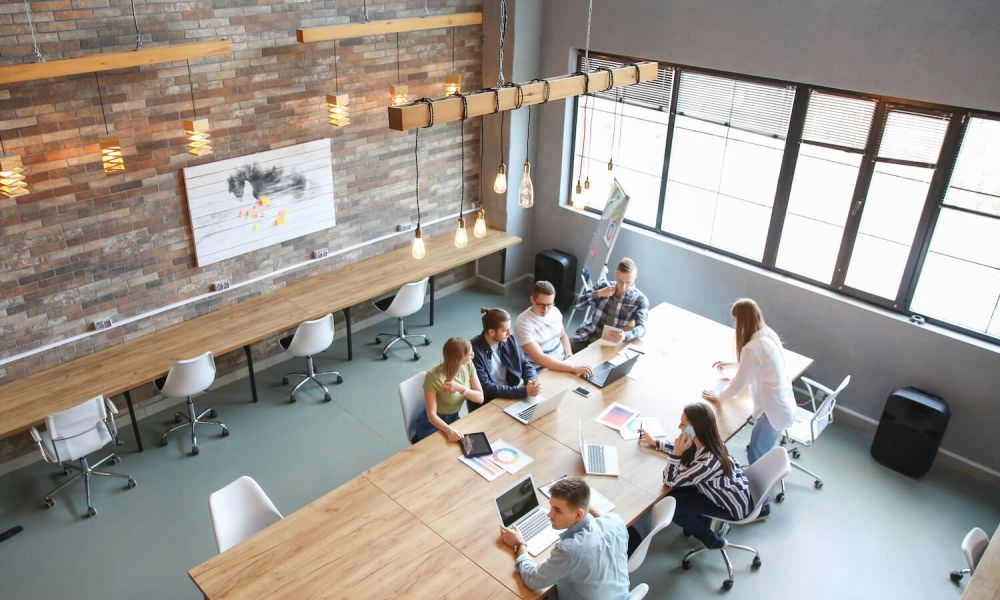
x=933, y=203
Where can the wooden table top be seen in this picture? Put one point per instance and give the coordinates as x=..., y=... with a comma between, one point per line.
x=985, y=582
x=26, y=401
x=325, y=549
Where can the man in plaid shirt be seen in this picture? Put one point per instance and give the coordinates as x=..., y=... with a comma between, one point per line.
x=627, y=306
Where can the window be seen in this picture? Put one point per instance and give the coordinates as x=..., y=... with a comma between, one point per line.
x=724, y=162
x=960, y=279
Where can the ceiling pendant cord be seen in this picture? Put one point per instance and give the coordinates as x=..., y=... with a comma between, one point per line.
x=503, y=35
x=397, y=58
x=364, y=8
x=135, y=21
x=465, y=115
x=100, y=98
x=39, y=57
x=194, y=109
x=336, y=72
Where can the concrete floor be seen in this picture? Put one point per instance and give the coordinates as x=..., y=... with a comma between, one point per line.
x=869, y=533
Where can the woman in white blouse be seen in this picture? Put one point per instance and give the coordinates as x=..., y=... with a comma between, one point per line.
x=761, y=367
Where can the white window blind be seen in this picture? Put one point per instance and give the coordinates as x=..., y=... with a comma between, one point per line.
x=750, y=106
x=913, y=136
x=838, y=121
x=651, y=94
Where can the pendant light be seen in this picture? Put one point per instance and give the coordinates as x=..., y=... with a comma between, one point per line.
x=398, y=93
x=526, y=193
x=461, y=237
x=500, y=183
x=453, y=81
x=479, y=229
x=199, y=139
x=111, y=148
x=336, y=105
x=12, y=181
x=417, y=250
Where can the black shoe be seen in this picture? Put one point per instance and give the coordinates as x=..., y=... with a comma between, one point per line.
x=764, y=512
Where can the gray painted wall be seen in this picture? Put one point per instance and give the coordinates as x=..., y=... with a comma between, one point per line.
x=916, y=49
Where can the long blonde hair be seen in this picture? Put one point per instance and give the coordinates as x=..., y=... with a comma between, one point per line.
x=749, y=320
x=455, y=350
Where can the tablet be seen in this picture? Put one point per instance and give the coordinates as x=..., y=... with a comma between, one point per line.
x=476, y=444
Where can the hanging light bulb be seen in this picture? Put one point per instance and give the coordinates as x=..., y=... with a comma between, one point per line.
x=418, y=251
x=586, y=183
x=336, y=107
x=452, y=84
x=579, y=189
x=461, y=237
x=500, y=183
x=199, y=139
x=479, y=229
x=611, y=164
x=578, y=203
x=526, y=193
x=12, y=183
x=111, y=155
x=398, y=95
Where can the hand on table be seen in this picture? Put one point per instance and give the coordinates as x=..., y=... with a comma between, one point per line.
x=583, y=370
x=723, y=365
x=534, y=387
x=511, y=536
x=453, y=435
x=710, y=396
x=645, y=439
x=616, y=335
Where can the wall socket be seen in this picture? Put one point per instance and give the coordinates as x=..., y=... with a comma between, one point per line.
x=320, y=253
x=220, y=286
x=407, y=226
x=102, y=324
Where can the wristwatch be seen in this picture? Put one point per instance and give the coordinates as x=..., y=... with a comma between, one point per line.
x=517, y=548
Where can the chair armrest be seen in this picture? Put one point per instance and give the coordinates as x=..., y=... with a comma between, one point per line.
x=111, y=406
x=816, y=385
x=37, y=437
x=70, y=437
x=812, y=387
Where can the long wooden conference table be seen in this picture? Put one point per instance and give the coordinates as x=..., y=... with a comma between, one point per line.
x=125, y=366
x=985, y=582
x=344, y=545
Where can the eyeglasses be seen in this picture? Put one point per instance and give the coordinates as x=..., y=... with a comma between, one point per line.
x=545, y=306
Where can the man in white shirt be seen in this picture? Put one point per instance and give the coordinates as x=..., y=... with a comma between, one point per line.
x=539, y=330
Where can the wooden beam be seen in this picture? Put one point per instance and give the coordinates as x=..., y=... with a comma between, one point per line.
x=448, y=109
x=112, y=60
x=354, y=30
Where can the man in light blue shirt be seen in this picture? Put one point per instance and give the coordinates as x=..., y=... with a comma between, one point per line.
x=589, y=562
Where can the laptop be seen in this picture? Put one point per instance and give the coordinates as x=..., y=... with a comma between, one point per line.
x=607, y=373
x=518, y=505
x=532, y=409
x=598, y=460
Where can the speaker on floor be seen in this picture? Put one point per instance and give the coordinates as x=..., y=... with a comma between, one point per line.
x=559, y=269
x=910, y=431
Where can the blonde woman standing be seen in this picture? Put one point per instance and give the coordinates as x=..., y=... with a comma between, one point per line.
x=446, y=387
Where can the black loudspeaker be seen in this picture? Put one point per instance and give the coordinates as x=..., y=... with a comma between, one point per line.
x=559, y=269
x=910, y=431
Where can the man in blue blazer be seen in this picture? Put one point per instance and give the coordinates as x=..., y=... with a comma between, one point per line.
x=503, y=370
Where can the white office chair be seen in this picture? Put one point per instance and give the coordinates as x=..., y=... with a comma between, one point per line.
x=638, y=592
x=408, y=300
x=71, y=435
x=663, y=515
x=185, y=379
x=973, y=547
x=764, y=475
x=810, y=423
x=240, y=510
x=311, y=338
x=411, y=401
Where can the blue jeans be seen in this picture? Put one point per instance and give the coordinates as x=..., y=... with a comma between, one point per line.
x=694, y=513
x=424, y=428
x=762, y=438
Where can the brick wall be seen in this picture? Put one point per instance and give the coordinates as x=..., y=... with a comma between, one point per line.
x=84, y=243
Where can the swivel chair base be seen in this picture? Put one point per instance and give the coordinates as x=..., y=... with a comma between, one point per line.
x=85, y=470
x=723, y=529
x=192, y=420
x=401, y=336
x=310, y=375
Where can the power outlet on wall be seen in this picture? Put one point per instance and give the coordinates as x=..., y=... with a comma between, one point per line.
x=102, y=324
x=220, y=286
x=407, y=226
x=320, y=253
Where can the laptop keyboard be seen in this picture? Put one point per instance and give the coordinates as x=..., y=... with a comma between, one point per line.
x=526, y=413
x=595, y=458
x=531, y=526
x=599, y=377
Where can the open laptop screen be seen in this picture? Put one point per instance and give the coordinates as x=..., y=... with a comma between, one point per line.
x=517, y=502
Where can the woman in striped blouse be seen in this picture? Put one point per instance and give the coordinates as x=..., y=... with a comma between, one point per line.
x=701, y=476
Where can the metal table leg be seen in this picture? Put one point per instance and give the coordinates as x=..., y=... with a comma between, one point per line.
x=503, y=266
x=432, y=301
x=253, y=380
x=131, y=414
x=350, y=341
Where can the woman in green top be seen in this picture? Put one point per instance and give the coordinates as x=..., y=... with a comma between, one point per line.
x=446, y=387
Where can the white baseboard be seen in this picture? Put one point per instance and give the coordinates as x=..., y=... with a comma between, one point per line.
x=501, y=288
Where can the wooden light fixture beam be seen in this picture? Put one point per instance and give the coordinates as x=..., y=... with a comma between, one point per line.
x=112, y=60
x=449, y=108
x=354, y=30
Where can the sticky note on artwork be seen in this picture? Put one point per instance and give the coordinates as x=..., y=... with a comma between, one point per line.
x=256, y=227
x=265, y=201
x=280, y=220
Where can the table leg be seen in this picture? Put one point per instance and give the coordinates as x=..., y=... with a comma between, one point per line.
x=503, y=266
x=350, y=341
x=432, y=301
x=131, y=414
x=253, y=380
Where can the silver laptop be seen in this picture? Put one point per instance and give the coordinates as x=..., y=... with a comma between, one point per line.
x=598, y=460
x=532, y=409
x=518, y=505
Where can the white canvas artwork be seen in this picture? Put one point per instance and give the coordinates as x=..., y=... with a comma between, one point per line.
x=243, y=204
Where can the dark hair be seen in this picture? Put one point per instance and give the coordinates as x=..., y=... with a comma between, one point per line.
x=493, y=318
x=702, y=418
x=627, y=265
x=543, y=288
x=573, y=490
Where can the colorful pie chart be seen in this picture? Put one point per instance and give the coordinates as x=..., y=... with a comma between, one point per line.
x=506, y=456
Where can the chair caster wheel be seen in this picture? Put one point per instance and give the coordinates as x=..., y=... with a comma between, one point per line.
x=378, y=340
x=114, y=460
x=225, y=433
x=65, y=472
x=178, y=418
x=796, y=454
x=416, y=356
x=427, y=341
x=687, y=533
x=818, y=484
x=685, y=564
x=756, y=562
x=340, y=379
x=212, y=414
x=91, y=511
x=291, y=399
x=49, y=503
x=194, y=451
x=385, y=357
x=956, y=576
x=780, y=497
x=119, y=442
x=327, y=398
x=162, y=442
x=284, y=381
x=727, y=585
x=131, y=484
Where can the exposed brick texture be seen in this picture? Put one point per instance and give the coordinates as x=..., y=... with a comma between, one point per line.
x=84, y=244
